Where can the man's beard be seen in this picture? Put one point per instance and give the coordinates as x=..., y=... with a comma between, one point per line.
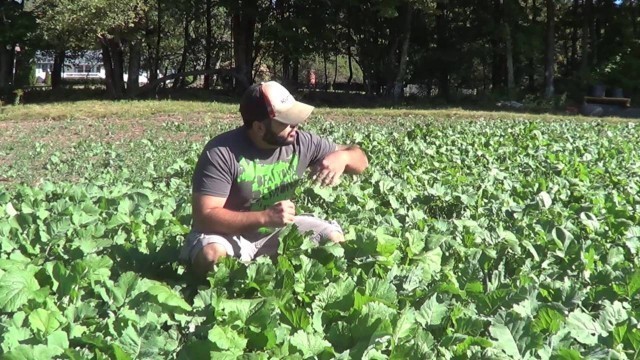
x=273, y=139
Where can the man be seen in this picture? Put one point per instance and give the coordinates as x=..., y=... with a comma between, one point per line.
x=245, y=178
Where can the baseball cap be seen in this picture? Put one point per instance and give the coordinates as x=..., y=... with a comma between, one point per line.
x=272, y=100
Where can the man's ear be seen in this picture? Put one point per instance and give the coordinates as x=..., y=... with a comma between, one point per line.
x=259, y=127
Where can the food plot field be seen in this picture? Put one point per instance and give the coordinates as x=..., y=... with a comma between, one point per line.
x=477, y=239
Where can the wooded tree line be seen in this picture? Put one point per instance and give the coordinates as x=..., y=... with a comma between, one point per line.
x=450, y=48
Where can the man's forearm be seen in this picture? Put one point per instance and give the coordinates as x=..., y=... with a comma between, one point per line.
x=228, y=222
x=356, y=159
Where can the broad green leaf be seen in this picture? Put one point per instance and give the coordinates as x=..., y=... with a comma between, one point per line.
x=634, y=338
x=406, y=325
x=373, y=323
x=612, y=314
x=514, y=335
x=32, y=352
x=619, y=333
x=548, y=321
x=380, y=290
x=226, y=338
x=197, y=349
x=118, y=353
x=387, y=244
x=16, y=288
x=239, y=309
x=583, y=328
x=589, y=220
x=11, y=211
x=130, y=342
x=633, y=284
x=567, y=354
x=544, y=199
x=431, y=312
x=505, y=341
x=168, y=297
x=117, y=220
x=125, y=288
x=44, y=321
x=311, y=276
x=58, y=340
x=13, y=336
x=431, y=263
x=310, y=345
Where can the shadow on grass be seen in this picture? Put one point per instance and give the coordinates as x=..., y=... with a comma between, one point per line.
x=317, y=98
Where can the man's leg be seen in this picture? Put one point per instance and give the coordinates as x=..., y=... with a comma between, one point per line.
x=207, y=257
x=320, y=230
x=202, y=251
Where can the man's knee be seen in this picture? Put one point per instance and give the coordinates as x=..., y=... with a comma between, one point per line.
x=336, y=237
x=207, y=257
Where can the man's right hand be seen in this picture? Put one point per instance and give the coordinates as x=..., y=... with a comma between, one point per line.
x=280, y=214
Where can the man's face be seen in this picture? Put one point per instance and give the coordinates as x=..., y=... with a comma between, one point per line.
x=279, y=134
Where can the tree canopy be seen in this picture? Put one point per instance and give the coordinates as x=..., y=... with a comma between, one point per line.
x=450, y=49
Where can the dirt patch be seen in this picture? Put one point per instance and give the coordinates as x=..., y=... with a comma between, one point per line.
x=64, y=134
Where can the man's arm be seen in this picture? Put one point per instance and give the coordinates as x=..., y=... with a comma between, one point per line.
x=210, y=216
x=356, y=159
x=349, y=159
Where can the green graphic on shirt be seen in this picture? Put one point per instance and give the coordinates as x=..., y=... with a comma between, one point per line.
x=270, y=183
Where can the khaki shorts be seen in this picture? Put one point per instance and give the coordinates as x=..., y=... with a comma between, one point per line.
x=246, y=250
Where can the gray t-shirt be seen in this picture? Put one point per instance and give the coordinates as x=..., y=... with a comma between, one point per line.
x=253, y=179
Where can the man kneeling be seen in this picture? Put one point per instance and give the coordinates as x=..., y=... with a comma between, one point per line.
x=245, y=178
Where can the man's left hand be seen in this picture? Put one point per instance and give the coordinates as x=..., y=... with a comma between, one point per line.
x=329, y=170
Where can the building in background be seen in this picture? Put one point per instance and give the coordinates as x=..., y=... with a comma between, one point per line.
x=85, y=66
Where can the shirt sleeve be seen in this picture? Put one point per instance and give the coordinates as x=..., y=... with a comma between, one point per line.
x=213, y=174
x=316, y=147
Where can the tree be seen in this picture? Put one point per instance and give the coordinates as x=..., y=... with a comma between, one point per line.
x=16, y=29
x=550, y=51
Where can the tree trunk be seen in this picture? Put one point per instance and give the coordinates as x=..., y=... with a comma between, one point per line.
x=112, y=59
x=443, y=49
x=497, y=64
x=532, y=75
x=243, y=22
x=595, y=33
x=634, y=18
x=586, y=36
x=335, y=73
x=56, y=72
x=6, y=67
x=574, y=35
x=550, y=49
x=295, y=72
x=214, y=77
x=117, y=59
x=185, y=50
x=133, y=81
x=509, y=45
x=532, y=57
x=398, y=85
x=350, y=68
x=156, y=58
x=208, y=45
x=108, y=68
x=286, y=68
x=326, y=74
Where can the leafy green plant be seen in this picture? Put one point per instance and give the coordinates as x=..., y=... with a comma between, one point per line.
x=466, y=239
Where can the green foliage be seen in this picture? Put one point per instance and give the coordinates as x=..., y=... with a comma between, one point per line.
x=466, y=239
x=623, y=69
